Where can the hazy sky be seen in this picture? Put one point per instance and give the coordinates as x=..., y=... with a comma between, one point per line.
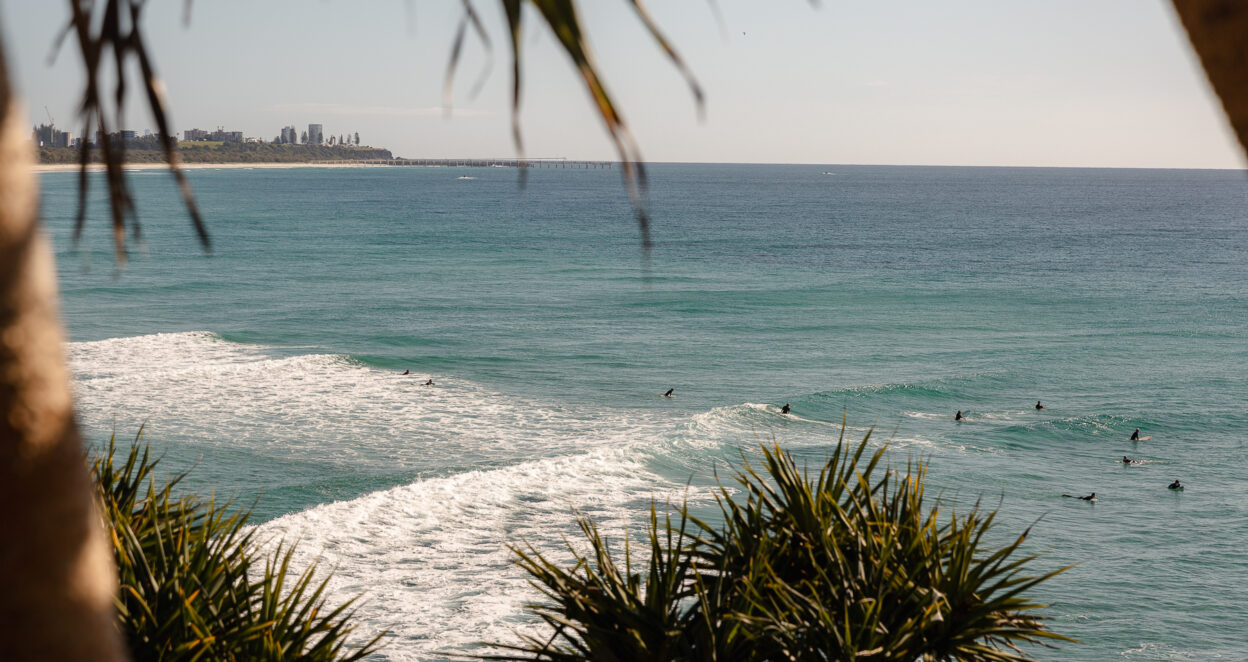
x=960, y=82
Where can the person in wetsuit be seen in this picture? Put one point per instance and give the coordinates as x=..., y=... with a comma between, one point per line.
x=785, y=408
x=958, y=416
x=407, y=372
x=1135, y=436
x=669, y=393
x=1175, y=485
x=1038, y=405
x=430, y=382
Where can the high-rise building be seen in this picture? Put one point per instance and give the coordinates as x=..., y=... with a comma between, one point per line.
x=290, y=135
x=226, y=136
x=314, y=134
x=46, y=135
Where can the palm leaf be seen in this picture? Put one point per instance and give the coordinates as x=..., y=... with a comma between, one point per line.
x=119, y=31
x=847, y=563
x=194, y=584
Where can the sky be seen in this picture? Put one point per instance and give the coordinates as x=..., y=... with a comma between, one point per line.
x=1099, y=83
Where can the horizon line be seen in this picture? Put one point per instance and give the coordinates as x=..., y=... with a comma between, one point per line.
x=1243, y=168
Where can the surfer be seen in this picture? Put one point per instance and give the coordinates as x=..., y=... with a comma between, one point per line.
x=958, y=416
x=1127, y=460
x=407, y=372
x=1135, y=436
x=1175, y=485
x=785, y=408
x=1090, y=497
x=1040, y=406
x=430, y=382
x=669, y=393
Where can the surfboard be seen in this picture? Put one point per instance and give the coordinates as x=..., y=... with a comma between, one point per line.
x=1143, y=438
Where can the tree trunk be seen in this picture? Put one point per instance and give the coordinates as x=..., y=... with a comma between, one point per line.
x=56, y=572
x=1218, y=30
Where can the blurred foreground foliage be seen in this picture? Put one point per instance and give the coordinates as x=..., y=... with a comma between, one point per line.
x=195, y=584
x=847, y=564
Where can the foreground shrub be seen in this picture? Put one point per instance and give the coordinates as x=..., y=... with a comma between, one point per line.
x=195, y=586
x=843, y=565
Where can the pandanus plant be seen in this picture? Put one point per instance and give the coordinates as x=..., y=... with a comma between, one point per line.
x=196, y=584
x=848, y=563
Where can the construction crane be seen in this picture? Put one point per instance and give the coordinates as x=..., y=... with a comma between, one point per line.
x=51, y=122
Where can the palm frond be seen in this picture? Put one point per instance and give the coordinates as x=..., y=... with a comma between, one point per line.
x=847, y=563
x=119, y=31
x=194, y=583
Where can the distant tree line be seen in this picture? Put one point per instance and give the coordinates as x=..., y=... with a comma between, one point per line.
x=287, y=137
x=147, y=150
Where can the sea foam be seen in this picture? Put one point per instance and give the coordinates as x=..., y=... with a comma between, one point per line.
x=431, y=556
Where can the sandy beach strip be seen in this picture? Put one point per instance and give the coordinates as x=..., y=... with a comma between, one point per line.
x=73, y=167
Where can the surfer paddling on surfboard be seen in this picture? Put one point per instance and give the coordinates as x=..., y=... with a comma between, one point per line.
x=1090, y=497
x=669, y=393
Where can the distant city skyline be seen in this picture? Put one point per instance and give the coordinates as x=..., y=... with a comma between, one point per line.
x=50, y=135
x=1062, y=83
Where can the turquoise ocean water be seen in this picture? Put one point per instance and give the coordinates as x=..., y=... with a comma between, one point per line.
x=892, y=295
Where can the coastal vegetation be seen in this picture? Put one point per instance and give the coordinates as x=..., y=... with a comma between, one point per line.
x=846, y=564
x=733, y=587
x=194, y=583
x=59, y=577
x=148, y=150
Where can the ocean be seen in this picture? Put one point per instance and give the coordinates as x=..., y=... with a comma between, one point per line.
x=888, y=296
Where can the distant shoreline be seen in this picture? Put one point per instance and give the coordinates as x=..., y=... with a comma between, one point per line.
x=69, y=167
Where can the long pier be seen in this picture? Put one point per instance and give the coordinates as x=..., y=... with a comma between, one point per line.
x=482, y=163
